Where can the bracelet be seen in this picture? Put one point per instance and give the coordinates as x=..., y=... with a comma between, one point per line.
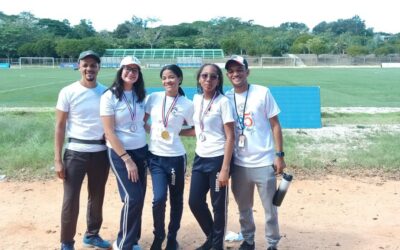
x=123, y=154
x=126, y=159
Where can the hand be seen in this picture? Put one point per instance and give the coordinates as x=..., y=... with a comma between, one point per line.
x=279, y=165
x=60, y=170
x=132, y=170
x=223, y=178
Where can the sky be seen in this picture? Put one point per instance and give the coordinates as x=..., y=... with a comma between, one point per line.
x=382, y=16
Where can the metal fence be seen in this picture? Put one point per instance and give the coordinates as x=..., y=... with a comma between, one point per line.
x=300, y=60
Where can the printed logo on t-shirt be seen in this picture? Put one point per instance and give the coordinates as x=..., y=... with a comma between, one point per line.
x=248, y=121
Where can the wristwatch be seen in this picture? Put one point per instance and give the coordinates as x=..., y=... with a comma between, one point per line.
x=280, y=154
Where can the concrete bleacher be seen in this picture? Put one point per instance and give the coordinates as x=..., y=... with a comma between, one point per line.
x=165, y=53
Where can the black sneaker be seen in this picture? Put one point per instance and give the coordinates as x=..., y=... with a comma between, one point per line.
x=157, y=243
x=247, y=246
x=207, y=245
x=172, y=245
x=68, y=245
x=272, y=248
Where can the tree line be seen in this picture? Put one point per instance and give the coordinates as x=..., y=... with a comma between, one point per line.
x=26, y=35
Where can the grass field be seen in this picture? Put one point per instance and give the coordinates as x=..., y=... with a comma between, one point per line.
x=340, y=87
x=346, y=141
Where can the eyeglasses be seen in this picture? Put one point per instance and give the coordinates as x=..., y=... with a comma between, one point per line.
x=204, y=76
x=131, y=70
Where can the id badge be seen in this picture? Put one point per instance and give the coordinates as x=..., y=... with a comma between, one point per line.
x=241, y=141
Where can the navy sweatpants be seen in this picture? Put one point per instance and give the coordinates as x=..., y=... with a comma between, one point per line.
x=204, y=179
x=132, y=195
x=167, y=173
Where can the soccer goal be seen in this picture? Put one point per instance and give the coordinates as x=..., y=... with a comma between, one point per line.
x=36, y=62
x=278, y=61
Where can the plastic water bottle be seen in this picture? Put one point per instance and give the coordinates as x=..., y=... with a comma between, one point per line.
x=282, y=189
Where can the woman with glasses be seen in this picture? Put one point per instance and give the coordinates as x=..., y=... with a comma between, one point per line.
x=214, y=127
x=122, y=113
x=169, y=110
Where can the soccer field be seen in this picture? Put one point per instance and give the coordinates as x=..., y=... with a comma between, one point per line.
x=340, y=87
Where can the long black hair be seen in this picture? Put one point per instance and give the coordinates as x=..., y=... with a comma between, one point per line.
x=178, y=72
x=117, y=88
x=220, y=86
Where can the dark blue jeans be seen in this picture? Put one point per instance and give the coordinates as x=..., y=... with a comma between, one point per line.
x=132, y=195
x=167, y=173
x=204, y=178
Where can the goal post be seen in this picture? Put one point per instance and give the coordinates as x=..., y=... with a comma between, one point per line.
x=36, y=62
x=278, y=61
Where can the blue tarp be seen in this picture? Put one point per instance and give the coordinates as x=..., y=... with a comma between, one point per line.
x=300, y=106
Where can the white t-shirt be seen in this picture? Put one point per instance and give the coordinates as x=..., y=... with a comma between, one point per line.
x=213, y=134
x=259, y=146
x=83, y=121
x=180, y=114
x=111, y=106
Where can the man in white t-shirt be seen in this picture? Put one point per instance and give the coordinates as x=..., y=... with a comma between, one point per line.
x=78, y=119
x=258, y=154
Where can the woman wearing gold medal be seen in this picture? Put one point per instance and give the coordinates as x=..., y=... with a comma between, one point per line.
x=122, y=113
x=168, y=110
x=214, y=126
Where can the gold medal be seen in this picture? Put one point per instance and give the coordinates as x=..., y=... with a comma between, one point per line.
x=165, y=135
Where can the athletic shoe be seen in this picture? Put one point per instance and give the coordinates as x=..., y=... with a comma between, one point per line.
x=247, y=246
x=136, y=247
x=157, y=243
x=272, y=248
x=172, y=245
x=95, y=241
x=207, y=245
x=68, y=246
x=115, y=246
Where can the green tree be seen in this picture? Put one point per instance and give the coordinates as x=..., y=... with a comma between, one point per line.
x=68, y=47
x=83, y=29
x=14, y=34
x=289, y=26
x=357, y=50
x=317, y=46
x=55, y=27
x=299, y=46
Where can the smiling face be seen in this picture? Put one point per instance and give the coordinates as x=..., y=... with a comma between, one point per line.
x=237, y=74
x=89, y=69
x=170, y=82
x=130, y=75
x=209, y=80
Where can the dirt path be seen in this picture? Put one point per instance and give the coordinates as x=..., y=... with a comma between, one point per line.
x=331, y=213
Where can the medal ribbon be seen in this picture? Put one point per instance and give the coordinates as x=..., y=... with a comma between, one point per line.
x=165, y=116
x=201, y=113
x=131, y=111
x=241, y=121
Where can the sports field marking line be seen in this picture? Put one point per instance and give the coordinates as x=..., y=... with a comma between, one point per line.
x=29, y=87
x=34, y=86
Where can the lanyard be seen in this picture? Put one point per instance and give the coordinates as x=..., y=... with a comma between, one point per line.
x=165, y=116
x=241, y=121
x=201, y=113
x=132, y=111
